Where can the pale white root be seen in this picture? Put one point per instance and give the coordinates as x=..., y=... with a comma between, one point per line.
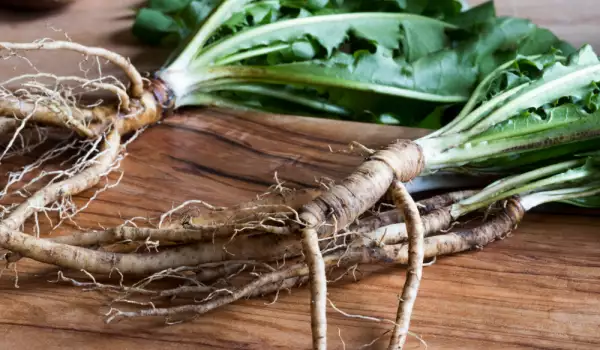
x=137, y=84
x=115, y=87
x=380, y=229
x=48, y=109
x=182, y=231
x=193, y=285
x=318, y=287
x=416, y=234
x=207, y=233
x=71, y=186
x=260, y=245
x=445, y=244
x=18, y=176
x=244, y=292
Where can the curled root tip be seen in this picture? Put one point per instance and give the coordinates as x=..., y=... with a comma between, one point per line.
x=112, y=314
x=59, y=278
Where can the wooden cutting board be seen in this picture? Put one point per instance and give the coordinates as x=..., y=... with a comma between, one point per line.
x=539, y=289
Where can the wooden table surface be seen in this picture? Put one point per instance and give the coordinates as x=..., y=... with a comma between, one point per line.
x=539, y=289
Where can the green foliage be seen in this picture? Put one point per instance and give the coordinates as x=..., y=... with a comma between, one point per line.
x=544, y=137
x=559, y=93
x=403, y=62
x=185, y=16
x=169, y=22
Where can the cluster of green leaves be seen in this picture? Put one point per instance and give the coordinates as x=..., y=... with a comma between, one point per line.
x=406, y=62
x=535, y=110
x=534, y=119
x=535, y=123
x=169, y=22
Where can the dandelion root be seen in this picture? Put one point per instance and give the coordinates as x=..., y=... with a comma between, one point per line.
x=278, y=241
x=341, y=205
x=415, y=231
x=93, y=261
x=450, y=243
x=82, y=181
x=134, y=76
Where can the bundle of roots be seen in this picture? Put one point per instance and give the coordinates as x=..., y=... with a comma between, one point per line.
x=283, y=239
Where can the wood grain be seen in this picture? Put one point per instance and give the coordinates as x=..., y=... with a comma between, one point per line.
x=539, y=289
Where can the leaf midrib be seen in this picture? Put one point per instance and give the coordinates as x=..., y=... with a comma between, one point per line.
x=213, y=51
